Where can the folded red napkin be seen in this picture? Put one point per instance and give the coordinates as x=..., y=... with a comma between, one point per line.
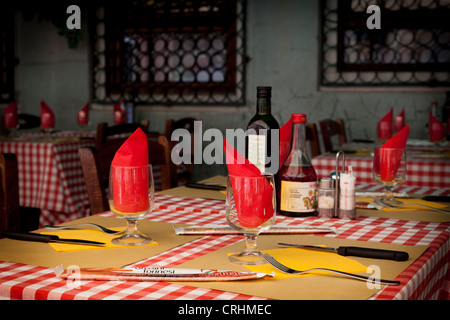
x=119, y=114
x=389, y=160
x=10, y=115
x=285, y=141
x=384, y=128
x=400, y=121
x=83, y=115
x=436, y=129
x=252, y=197
x=130, y=186
x=47, y=117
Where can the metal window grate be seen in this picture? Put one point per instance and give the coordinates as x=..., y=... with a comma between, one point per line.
x=170, y=53
x=6, y=55
x=412, y=48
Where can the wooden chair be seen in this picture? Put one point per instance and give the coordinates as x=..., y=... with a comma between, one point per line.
x=188, y=124
x=9, y=193
x=313, y=138
x=332, y=128
x=104, y=131
x=96, y=169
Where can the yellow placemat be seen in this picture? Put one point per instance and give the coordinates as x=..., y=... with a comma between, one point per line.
x=304, y=259
x=323, y=287
x=92, y=235
x=432, y=204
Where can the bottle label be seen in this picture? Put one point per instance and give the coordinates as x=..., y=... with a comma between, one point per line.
x=257, y=151
x=297, y=196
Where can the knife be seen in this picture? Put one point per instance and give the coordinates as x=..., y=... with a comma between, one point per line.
x=27, y=236
x=358, y=252
x=205, y=186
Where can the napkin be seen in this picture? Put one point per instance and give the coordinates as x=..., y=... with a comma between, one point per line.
x=131, y=195
x=389, y=162
x=119, y=114
x=285, y=141
x=93, y=235
x=400, y=121
x=83, y=115
x=47, y=117
x=436, y=129
x=254, y=199
x=10, y=115
x=384, y=129
x=303, y=259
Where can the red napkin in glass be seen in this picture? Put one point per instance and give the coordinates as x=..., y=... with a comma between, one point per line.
x=252, y=199
x=285, y=141
x=119, y=114
x=436, y=129
x=131, y=194
x=47, y=117
x=11, y=118
x=390, y=161
x=384, y=128
x=400, y=121
x=83, y=115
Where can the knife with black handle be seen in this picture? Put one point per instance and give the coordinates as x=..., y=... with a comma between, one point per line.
x=358, y=252
x=29, y=236
x=205, y=186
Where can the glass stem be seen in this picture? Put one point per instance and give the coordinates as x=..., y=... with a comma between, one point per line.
x=389, y=194
x=250, y=243
x=132, y=227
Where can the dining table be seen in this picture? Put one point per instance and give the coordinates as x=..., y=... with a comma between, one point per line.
x=27, y=269
x=427, y=163
x=50, y=174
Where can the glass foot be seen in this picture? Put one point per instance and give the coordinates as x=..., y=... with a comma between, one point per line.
x=248, y=258
x=132, y=239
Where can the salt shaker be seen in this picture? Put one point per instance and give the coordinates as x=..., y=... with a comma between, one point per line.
x=347, y=207
x=325, y=198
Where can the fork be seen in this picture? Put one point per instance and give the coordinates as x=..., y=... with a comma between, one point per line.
x=105, y=230
x=288, y=270
x=400, y=206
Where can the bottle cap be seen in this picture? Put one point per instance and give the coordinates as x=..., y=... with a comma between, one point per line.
x=326, y=183
x=263, y=92
x=299, y=118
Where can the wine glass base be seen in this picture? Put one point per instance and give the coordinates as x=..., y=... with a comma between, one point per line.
x=391, y=200
x=132, y=240
x=248, y=258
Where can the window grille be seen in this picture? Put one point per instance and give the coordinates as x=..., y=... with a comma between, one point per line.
x=6, y=55
x=170, y=53
x=412, y=48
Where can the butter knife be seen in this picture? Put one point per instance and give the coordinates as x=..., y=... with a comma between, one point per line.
x=28, y=236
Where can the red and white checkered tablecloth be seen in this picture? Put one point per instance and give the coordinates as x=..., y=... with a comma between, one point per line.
x=420, y=172
x=423, y=279
x=51, y=178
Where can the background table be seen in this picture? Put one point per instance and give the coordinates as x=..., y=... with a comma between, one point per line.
x=422, y=171
x=423, y=279
x=50, y=176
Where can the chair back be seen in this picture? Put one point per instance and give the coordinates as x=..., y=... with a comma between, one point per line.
x=186, y=172
x=9, y=193
x=96, y=165
x=104, y=131
x=313, y=138
x=331, y=128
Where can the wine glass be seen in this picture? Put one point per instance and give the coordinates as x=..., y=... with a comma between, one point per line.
x=389, y=169
x=131, y=196
x=250, y=208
